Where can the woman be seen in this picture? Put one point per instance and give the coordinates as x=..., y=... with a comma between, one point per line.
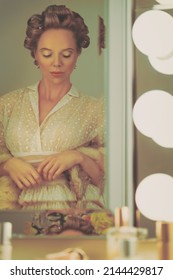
x=51, y=136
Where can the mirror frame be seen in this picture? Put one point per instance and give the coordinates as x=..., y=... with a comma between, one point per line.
x=120, y=124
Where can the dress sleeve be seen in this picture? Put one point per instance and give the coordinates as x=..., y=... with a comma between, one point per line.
x=100, y=129
x=95, y=148
x=4, y=152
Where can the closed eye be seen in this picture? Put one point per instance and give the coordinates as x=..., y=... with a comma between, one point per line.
x=67, y=54
x=47, y=55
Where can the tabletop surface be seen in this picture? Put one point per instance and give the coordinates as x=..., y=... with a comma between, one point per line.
x=96, y=248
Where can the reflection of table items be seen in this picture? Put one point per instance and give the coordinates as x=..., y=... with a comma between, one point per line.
x=122, y=242
x=164, y=234
x=122, y=216
x=89, y=222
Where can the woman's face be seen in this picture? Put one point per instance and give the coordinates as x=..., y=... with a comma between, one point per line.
x=56, y=55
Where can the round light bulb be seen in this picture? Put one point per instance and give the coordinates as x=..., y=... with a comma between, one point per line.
x=152, y=33
x=165, y=2
x=154, y=197
x=162, y=65
x=152, y=116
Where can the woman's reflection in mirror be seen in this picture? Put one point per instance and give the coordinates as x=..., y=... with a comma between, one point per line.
x=51, y=134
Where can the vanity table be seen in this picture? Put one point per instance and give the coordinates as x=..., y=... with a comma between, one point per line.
x=31, y=248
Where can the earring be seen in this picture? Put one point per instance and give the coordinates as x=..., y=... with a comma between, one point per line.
x=36, y=63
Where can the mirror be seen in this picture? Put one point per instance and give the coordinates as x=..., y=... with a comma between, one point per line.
x=121, y=75
x=153, y=78
x=22, y=71
x=109, y=73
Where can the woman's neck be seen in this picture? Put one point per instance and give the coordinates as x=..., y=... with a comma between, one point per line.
x=53, y=92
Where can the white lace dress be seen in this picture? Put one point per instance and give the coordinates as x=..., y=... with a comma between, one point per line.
x=76, y=121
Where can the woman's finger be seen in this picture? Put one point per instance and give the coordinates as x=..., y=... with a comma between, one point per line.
x=58, y=172
x=26, y=182
x=35, y=177
x=32, y=180
x=42, y=165
x=19, y=184
x=51, y=174
x=46, y=170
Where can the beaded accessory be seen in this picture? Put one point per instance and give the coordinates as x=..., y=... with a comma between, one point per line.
x=88, y=222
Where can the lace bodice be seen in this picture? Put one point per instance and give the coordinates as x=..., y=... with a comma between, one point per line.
x=75, y=121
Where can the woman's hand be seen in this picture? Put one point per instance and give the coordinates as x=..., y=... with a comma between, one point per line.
x=22, y=173
x=53, y=166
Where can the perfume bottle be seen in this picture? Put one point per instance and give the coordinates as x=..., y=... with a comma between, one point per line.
x=5, y=241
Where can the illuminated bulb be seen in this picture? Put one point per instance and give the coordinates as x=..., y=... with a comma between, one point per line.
x=153, y=115
x=165, y=2
x=154, y=197
x=143, y=112
x=163, y=66
x=152, y=33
